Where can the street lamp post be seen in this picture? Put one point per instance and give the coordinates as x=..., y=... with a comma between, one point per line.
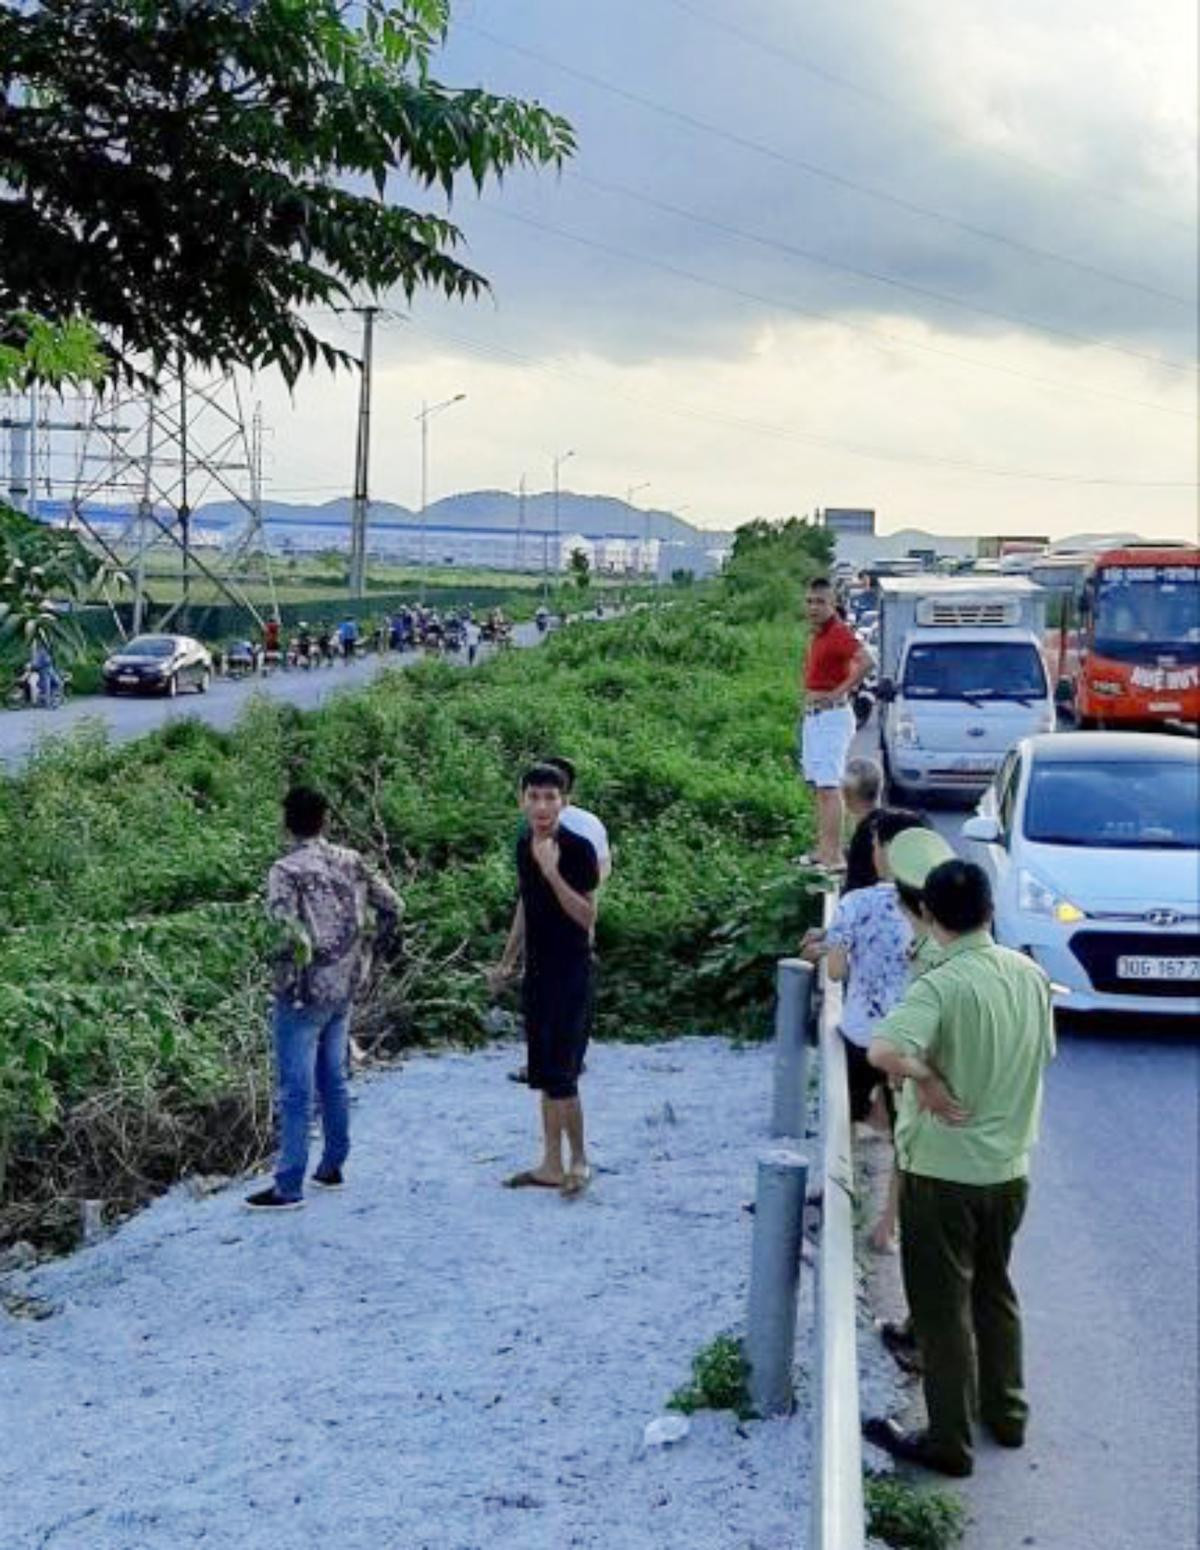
x=629, y=494
x=426, y=414
x=558, y=463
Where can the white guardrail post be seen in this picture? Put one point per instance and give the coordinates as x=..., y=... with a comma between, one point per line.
x=837, y=1495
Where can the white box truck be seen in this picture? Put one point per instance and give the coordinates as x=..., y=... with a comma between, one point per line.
x=961, y=679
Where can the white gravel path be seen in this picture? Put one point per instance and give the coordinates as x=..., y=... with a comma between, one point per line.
x=427, y=1361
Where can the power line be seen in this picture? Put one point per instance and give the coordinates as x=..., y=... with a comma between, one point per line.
x=892, y=105
x=877, y=336
x=810, y=256
x=812, y=169
x=786, y=433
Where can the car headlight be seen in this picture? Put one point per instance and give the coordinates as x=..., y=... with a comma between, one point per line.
x=906, y=732
x=1034, y=897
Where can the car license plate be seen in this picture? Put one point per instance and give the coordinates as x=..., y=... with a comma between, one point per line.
x=129, y=678
x=1158, y=968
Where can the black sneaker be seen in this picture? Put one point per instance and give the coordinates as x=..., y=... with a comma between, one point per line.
x=270, y=1200
x=329, y=1178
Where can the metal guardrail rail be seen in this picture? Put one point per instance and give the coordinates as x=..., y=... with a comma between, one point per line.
x=837, y=1496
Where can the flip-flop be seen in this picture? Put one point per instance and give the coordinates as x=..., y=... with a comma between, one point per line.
x=574, y=1185
x=529, y=1180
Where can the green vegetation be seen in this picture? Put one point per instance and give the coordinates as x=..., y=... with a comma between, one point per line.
x=909, y=1518
x=133, y=958
x=720, y=1375
x=253, y=181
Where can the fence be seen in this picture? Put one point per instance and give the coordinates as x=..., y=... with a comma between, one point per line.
x=802, y=1015
x=837, y=1498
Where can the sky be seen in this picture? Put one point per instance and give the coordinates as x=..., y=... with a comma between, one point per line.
x=935, y=260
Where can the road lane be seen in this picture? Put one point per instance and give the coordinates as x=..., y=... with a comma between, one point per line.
x=126, y=717
x=1106, y=1265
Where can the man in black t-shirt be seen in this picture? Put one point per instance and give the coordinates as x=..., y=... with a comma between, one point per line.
x=558, y=875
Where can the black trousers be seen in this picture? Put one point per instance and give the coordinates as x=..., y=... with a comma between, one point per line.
x=955, y=1245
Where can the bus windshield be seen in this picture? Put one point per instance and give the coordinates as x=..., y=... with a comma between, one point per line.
x=1145, y=610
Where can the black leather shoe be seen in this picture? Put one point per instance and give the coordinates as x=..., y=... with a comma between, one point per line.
x=1008, y=1434
x=913, y=1448
x=901, y=1344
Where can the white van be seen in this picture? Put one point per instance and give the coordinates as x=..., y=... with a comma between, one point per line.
x=962, y=679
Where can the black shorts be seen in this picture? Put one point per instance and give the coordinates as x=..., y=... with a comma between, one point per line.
x=557, y=1007
x=863, y=1078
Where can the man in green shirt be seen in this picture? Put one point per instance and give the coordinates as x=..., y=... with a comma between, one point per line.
x=972, y=1037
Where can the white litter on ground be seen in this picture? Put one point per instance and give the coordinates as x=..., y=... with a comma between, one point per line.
x=426, y=1361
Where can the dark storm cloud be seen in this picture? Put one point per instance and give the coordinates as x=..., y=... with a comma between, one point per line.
x=553, y=293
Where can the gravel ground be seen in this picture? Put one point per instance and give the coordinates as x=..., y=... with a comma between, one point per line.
x=426, y=1360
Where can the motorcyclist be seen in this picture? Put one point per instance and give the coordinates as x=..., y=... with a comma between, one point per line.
x=49, y=684
x=348, y=636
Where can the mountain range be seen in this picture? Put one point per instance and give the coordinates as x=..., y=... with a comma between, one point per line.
x=593, y=516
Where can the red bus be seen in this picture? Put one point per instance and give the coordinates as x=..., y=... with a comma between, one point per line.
x=1124, y=647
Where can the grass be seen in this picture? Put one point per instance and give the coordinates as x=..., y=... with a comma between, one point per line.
x=720, y=1377
x=133, y=956
x=909, y=1517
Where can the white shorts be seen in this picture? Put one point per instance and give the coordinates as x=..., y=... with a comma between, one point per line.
x=825, y=737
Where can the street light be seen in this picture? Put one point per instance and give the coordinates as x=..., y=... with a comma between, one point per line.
x=629, y=494
x=558, y=463
x=426, y=414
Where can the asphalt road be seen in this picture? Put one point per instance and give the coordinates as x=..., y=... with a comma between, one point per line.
x=1106, y=1267
x=127, y=717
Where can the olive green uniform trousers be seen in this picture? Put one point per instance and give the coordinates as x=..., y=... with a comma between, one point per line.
x=955, y=1243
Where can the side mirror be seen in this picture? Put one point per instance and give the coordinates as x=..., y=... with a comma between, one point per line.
x=885, y=693
x=984, y=831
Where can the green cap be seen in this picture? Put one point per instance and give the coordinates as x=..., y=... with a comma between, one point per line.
x=914, y=853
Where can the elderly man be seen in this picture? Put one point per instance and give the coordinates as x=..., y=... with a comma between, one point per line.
x=834, y=665
x=972, y=1037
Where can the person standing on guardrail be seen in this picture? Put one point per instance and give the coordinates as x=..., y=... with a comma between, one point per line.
x=972, y=1038
x=835, y=663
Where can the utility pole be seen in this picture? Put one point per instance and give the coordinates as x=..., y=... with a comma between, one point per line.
x=185, y=510
x=558, y=463
x=362, y=458
x=145, y=505
x=629, y=494
x=427, y=412
x=519, y=557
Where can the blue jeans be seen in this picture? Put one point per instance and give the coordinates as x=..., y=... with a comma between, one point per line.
x=311, y=1046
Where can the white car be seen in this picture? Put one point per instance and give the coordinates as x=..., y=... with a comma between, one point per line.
x=1092, y=844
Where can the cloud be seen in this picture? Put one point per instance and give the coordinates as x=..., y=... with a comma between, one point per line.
x=743, y=378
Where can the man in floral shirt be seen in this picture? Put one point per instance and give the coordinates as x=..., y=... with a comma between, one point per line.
x=321, y=896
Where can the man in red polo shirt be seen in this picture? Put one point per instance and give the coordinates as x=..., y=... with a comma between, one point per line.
x=835, y=664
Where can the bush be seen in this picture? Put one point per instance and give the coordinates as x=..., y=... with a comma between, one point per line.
x=909, y=1518
x=132, y=952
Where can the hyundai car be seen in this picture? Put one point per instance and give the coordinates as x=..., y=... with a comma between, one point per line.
x=1092, y=844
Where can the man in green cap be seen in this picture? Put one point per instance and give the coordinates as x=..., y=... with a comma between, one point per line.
x=972, y=1037
x=908, y=861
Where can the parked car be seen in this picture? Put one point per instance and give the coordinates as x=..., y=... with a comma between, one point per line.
x=1092, y=842
x=158, y=664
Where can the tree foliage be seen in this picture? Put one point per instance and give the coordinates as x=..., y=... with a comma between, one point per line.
x=190, y=174
x=40, y=570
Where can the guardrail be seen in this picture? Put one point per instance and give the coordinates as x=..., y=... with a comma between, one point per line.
x=805, y=1014
x=837, y=1494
